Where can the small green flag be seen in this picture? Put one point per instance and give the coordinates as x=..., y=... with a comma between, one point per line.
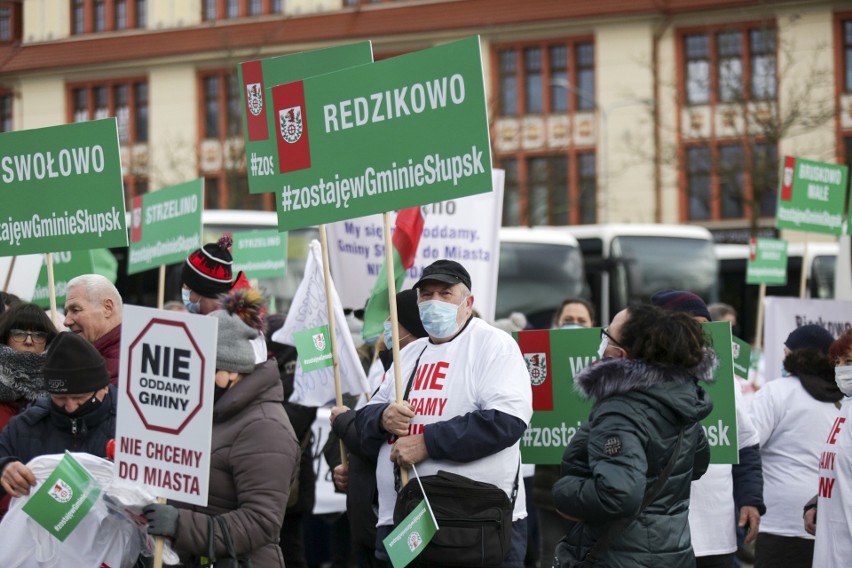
x=411, y=536
x=64, y=498
x=314, y=348
x=742, y=357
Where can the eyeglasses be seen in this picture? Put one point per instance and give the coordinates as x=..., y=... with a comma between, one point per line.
x=605, y=333
x=19, y=335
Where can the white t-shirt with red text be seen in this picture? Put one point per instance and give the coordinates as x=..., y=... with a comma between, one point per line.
x=834, y=510
x=480, y=369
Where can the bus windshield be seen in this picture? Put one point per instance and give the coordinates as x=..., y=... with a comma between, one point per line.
x=649, y=264
x=534, y=278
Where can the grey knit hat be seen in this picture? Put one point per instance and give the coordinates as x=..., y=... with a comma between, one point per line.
x=234, y=352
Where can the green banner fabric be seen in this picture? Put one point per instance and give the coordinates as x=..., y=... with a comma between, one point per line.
x=812, y=196
x=314, y=348
x=64, y=498
x=397, y=133
x=66, y=265
x=259, y=124
x=767, y=262
x=61, y=189
x=742, y=358
x=165, y=226
x=554, y=357
x=260, y=254
x=411, y=536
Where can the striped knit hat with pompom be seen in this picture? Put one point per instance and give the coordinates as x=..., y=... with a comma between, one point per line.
x=208, y=270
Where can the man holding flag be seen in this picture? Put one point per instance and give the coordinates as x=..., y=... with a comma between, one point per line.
x=468, y=402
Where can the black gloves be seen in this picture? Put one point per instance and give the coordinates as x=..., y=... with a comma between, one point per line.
x=162, y=519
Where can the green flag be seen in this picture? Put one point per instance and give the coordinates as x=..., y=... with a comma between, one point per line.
x=411, y=536
x=64, y=498
x=314, y=348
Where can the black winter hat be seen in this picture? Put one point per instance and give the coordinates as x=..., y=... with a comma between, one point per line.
x=813, y=336
x=408, y=313
x=74, y=366
x=447, y=271
x=207, y=271
x=681, y=301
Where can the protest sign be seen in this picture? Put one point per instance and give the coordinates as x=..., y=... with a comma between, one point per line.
x=783, y=315
x=767, y=262
x=742, y=358
x=401, y=132
x=328, y=500
x=260, y=254
x=466, y=230
x=411, y=536
x=260, y=124
x=19, y=274
x=314, y=348
x=812, y=196
x=66, y=265
x=64, y=499
x=165, y=407
x=555, y=357
x=62, y=189
x=165, y=226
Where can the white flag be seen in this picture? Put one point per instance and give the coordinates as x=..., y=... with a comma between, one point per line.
x=308, y=310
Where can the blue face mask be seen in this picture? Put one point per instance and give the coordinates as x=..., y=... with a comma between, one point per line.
x=193, y=307
x=572, y=326
x=439, y=318
x=389, y=336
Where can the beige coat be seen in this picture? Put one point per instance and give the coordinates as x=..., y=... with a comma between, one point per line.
x=254, y=457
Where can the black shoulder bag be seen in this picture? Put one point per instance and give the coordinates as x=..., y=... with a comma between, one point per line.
x=474, y=518
x=232, y=560
x=564, y=556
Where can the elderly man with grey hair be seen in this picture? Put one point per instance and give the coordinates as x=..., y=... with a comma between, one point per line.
x=93, y=311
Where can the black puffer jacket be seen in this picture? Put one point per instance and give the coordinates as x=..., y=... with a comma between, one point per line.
x=42, y=430
x=632, y=429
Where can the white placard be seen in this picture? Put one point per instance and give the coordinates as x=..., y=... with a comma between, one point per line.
x=327, y=499
x=783, y=315
x=466, y=230
x=24, y=274
x=165, y=402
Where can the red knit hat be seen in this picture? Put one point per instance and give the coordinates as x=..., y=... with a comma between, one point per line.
x=208, y=270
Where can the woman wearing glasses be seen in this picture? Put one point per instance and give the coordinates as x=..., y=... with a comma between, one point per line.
x=25, y=332
x=642, y=428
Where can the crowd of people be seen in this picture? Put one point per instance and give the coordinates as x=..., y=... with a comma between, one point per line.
x=635, y=486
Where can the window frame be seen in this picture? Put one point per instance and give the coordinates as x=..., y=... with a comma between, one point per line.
x=135, y=16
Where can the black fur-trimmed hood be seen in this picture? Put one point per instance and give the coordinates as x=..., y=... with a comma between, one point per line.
x=21, y=375
x=620, y=376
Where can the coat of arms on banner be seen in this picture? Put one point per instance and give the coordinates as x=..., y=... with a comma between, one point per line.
x=319, y=341
x=254, y=94
x=414, y=540
x=290, y=124
x=537, y=367
x=61, y=491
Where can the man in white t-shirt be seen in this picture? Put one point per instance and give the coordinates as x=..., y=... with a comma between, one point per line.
x=468, y=402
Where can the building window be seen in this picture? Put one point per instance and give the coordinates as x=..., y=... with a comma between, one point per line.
x=255, y=8
x=716, y=65
x=547, y=182
x=221, y=135
x=277, y=6
x=5, y=24
x=698, y=182
x=731, y=164
x=212, y=10
x=847, y=55
x=209, y=10
x=6, y=124
x=95, y=16
x=126, y=100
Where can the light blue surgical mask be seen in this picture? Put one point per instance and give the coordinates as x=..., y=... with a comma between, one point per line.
x=439, y=318
x=389, y=336
x=572, y=326
x=193, y=307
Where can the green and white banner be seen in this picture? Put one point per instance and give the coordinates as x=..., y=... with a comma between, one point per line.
x=742, y=358
x=812, y=196
x=260, y=254
x=397, y=133
x=66, y=265
x=314, y=348
x=411, y=536
x=259, y=122
x=767, y=262
x=61, y=189
x=61, y=502
x=554, y=357
x=165, y=226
